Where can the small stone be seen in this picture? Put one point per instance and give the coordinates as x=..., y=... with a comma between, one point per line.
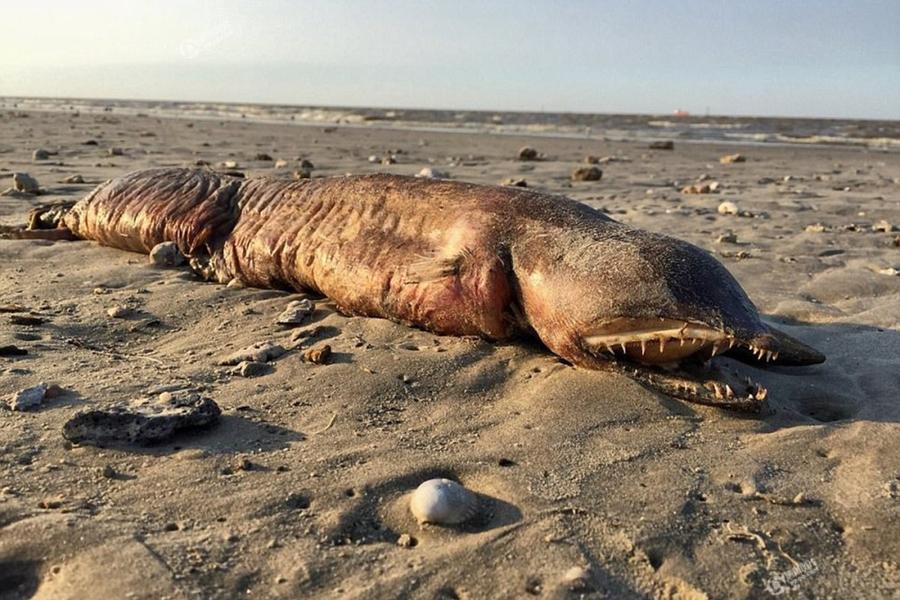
x=591, y=159
x=116, y=151
x=120, y=312
x=431, y=173
x=732, y=158
x=587, y=174
x=230, y=164
x=249, y=368
x=28, y=399
x=727, y=208
x=663, y=145
x=40, y=154
x=23, y=182
x=263, y=156
x=406, y=541
x=318, y=355
x=295, y=313
x=51, y=503
x=306, y=164
x=373, y=159
x=280, y=163
x=258, y=352
x=109, y=472
x=527, y=153
x=166, y=254
x=816, y=228
x=890, y=271
x=514, y=182
x=171, y=526
x=244, y=464
x=883, y=226
x=302, y=174
x=701, y=188
x=73, y=179
x=727, y=238
x=388, y=160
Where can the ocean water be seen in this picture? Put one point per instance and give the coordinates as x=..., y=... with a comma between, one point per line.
x=723, y=129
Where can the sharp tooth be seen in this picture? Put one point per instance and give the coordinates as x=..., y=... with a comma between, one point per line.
x=774, y=356
x=718, y=391
x=622, y=344
x=681, y=340
x=643, y=347
x=662, y=345
x=731, y=343
x=715, y=350
x=728, y=391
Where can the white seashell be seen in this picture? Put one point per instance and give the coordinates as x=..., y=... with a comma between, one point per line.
x=443, y=502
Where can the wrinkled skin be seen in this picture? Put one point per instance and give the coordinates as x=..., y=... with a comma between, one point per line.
x=462, y=259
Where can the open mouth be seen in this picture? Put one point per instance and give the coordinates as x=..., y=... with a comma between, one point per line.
x=673, y=356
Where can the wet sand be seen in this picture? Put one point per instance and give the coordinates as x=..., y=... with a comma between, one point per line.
x=301, y=490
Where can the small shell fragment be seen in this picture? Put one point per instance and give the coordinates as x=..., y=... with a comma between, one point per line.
x=443, y=502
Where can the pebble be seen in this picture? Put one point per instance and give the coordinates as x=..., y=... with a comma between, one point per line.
x=527, y=153
x=249, y=368
x=23, y=182
x=263, y=156
x=296, y=312
x=388, y=160
x=664, y=145
x=373, y=159
x=32, y=398
x=120, y=312
x=443, y=502
x=587, y=174
x=302, y=174
x=230, y=164
x=514, y=182
x=318, y=355
x=891, y=271
x=73, y=179
x=40, y=154
x=727, y=208
x=258, y=352
x=406, y=541
x=727, y=238
x=281, y=163
x=816, y=228
x=701, y=188
x=142, y=422
x=732, y=158
x=431, y=173
x=116, y=151
x=306, y=164
x=591, y=159
x=883, y=226
x=166, y=254
x=576, y=578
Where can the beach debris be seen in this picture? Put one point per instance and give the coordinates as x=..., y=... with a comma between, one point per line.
x=302, y=174
x=389, y=160
x=587, y=174
x=116, y=151
x=262, y=156
x=295, y=313
x=890, y=271
x=728, y=208
x=729, y=159
x=373, y=158
x=443, y=502
x=883, y=226
x=432, y=173
x=728, y=237
x=40, y=154
x=318, y=355
x=90, y=143
x=817, y=228
x=591, y=159
x=142, y=422
x=705, y=187
x=306, y=164
x=166, y=254
x=527, y=153
x=73, y=179
x=406, y=541
x=897, y=242
x=23, y=182
x=32, y=398
x=230, y=164
x=258, y=352
x=514, y=182
x=662, y=145
x=249, y=368
x=11, y=350
x=120, y=312
x=280, y=163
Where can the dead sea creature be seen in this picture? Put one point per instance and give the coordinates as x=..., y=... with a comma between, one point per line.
x=460, y=259
x=443, y=502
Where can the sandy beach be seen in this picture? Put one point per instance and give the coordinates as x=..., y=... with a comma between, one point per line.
x=589, y=484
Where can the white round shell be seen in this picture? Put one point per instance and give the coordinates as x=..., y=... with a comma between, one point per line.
x=443, y=502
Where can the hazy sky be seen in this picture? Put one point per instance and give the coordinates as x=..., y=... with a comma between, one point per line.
x=768, y=57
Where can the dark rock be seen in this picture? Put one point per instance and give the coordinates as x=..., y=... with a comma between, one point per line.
x=666, y=145
x=587, y=174
x=142, y=422
x=527, y=153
